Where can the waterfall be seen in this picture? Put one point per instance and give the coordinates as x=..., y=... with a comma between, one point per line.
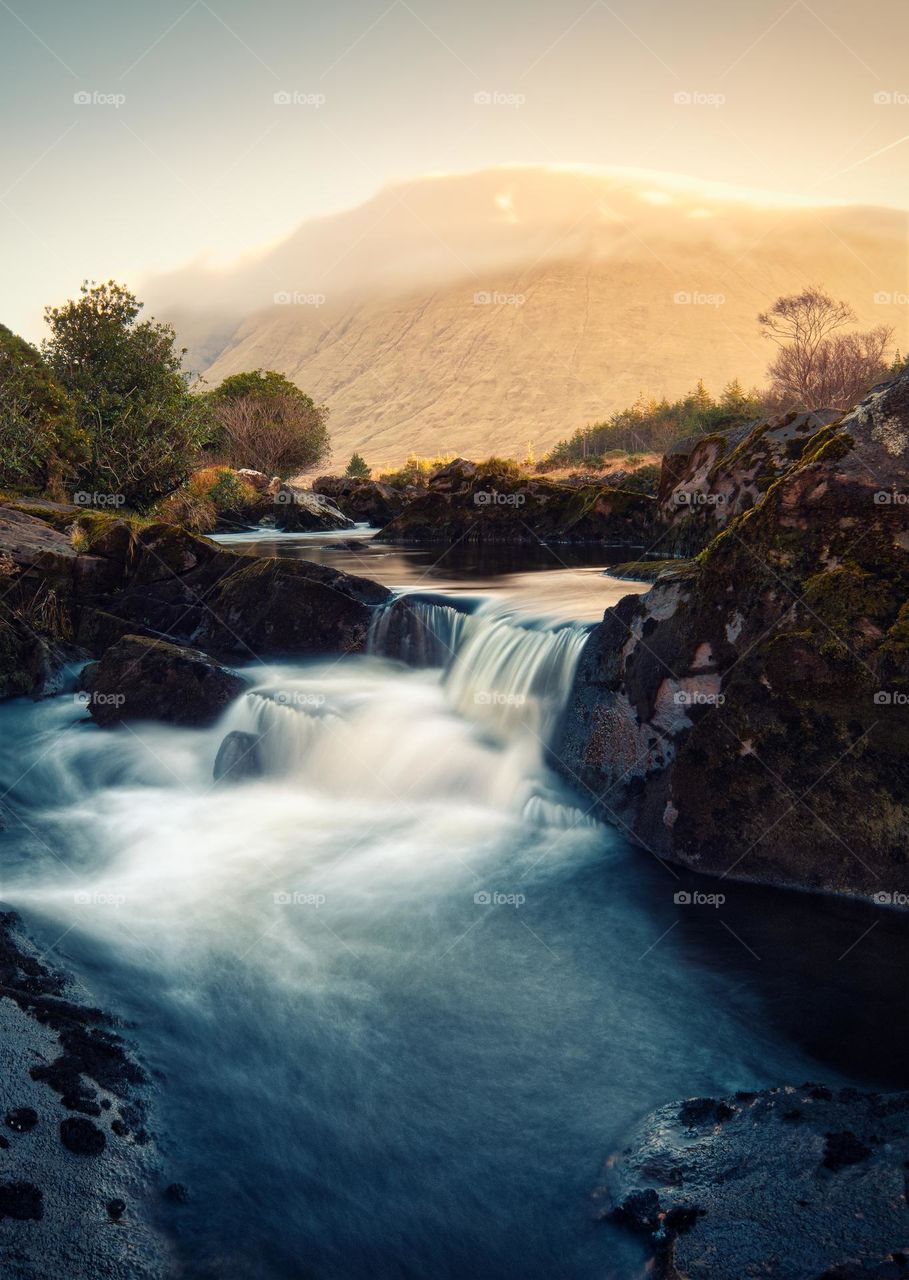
x=500, y=667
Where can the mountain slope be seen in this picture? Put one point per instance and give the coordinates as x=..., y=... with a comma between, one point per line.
x=476, y=313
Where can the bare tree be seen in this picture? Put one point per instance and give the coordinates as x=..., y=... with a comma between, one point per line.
x=278, y=434
x=818, y=367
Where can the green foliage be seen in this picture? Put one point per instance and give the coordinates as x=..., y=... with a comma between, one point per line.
x=653, y=425
x=40, y=444
x=130, y=397
x=357, y=468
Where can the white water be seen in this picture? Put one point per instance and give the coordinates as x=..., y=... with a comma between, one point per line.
x=402, y=991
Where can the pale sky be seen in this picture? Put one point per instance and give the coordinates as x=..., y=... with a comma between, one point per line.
x=181, y=152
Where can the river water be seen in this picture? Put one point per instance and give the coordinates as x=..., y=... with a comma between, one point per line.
x=403, y=996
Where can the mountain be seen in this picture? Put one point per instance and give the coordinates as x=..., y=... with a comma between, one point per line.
x=477, y=313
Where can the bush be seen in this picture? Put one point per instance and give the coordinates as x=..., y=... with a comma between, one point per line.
x=40, y=445
x=211, y=494
x=263, y=420
x=130, y=397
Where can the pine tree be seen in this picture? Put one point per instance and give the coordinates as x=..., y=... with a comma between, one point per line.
x=357, y=468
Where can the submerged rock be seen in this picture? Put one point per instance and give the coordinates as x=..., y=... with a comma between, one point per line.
x=753, y=1194
x=238, y=757
x=143, y=679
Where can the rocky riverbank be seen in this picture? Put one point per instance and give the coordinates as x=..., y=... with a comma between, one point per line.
x=83, y=1188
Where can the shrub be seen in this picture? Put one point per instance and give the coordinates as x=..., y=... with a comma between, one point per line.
x=40, y=445
x=357, y=468
x=263, y=420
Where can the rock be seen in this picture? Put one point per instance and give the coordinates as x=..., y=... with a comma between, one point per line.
x=258, y=479
x=143, y=679
x=372, y=501
x=302, y=511
x=754, y=1194
x=177, y=1193
x=843, y=1149
x=22, y=1119
x=81, y=1137
x=116, y=1209
x=708, y=480
x=467, y=503
x=238, y=757
x=775, y=661
x=21, y=1200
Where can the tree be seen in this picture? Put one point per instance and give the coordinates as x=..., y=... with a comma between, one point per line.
x=129, y=394
x=357, y=468
x=40, y=445
x=261, y=419
x=817, y=366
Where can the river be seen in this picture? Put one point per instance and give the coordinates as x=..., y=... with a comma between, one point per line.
x=402, y=994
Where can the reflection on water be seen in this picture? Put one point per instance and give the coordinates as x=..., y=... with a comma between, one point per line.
x=560, y=580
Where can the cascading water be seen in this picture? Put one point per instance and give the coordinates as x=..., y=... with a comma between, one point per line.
x=402, y=992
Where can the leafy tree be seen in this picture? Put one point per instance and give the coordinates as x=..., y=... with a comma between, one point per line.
x=129, y=394
x=357, y=468
x=40, y=445
x=261, y=419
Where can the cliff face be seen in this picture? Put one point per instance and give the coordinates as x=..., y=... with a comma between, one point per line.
x=749, y=716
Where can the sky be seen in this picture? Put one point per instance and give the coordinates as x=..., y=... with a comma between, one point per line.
x=141, y=137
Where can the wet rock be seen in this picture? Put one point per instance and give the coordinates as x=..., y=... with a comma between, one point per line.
x=82, y=1137
x=300, y=510
x=177, y=1193
x=238, y=757
x=143, y=679
x=777, y=658
x=21, y=1200
x=116, y=1209
x=755, y=1195
x=22, y=1119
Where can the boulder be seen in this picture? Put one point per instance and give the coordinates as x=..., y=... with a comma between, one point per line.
x=146, y=679
x=371, y=501
x=822, y=1174
x=469, y=503
x=301, y=511
x=749, y=715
